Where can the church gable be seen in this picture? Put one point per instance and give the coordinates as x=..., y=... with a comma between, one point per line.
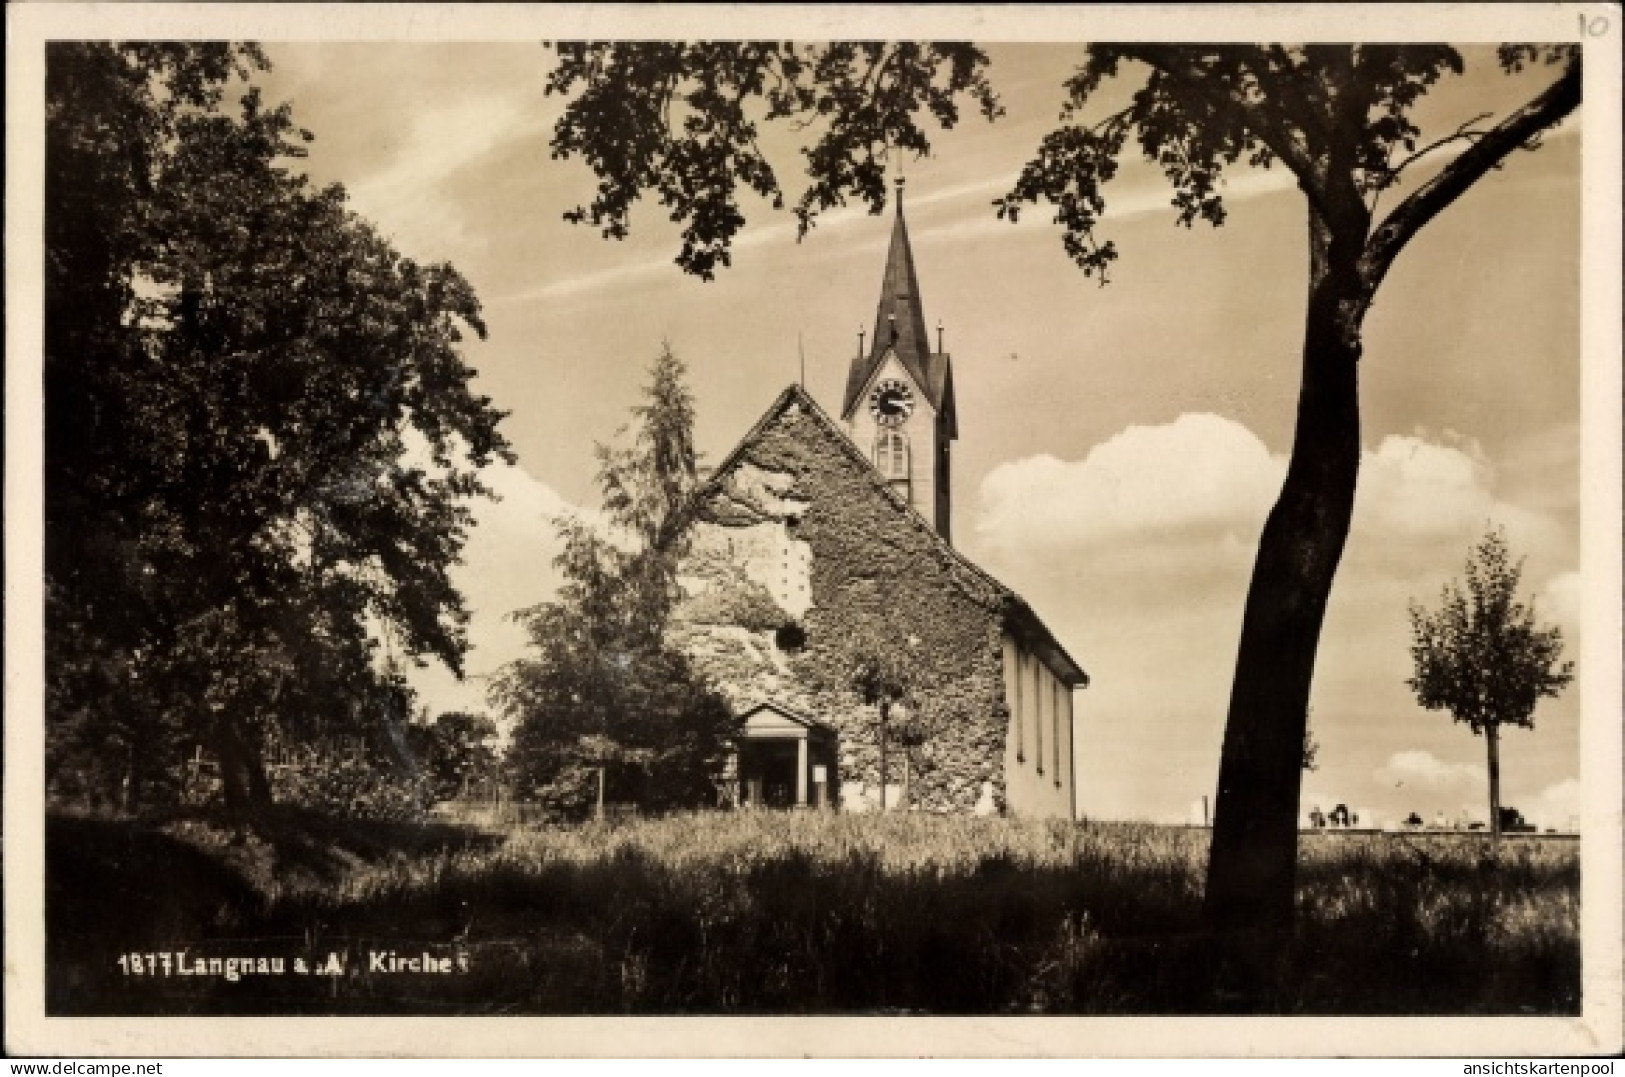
x=796, y=453
x=802, y=560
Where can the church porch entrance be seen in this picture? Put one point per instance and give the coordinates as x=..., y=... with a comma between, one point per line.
x=785, y=760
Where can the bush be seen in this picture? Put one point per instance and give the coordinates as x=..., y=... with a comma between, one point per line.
x=352, y=786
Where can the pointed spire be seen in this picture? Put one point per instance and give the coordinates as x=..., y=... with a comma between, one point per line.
x=899, y=316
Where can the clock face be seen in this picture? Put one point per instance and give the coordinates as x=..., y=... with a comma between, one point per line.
x=891, y=402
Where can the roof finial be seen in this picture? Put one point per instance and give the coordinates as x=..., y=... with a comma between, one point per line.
x=939, y=336
x=860, y=341
x=899, y=181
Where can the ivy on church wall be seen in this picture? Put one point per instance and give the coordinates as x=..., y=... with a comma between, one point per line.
x=879, y=578
x=730, y=598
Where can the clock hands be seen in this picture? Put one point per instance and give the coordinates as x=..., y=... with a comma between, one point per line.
x=891, y=401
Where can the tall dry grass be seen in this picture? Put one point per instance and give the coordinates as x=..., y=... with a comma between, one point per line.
x=771, y=912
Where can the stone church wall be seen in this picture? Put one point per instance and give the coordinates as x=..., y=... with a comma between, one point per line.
x=797, y=510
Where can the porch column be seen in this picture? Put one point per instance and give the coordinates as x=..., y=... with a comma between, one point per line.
x=801, y=772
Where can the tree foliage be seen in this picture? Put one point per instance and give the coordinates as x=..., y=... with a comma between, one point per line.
x=360, y=776
x=879, y=673
x=669, y=118
x=680, y=120
x=1481, y=655
x=1336, y=116
x=883, y=675
x=260, y=434
x=603, y=696
x=454, y=755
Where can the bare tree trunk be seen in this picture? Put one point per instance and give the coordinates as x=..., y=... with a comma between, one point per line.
x=242, y=771
x=130, y=786
x=598, y=812
x=1252, y=865
x=1492, y=738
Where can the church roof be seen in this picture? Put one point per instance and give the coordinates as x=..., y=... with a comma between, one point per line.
x=1019, y=617
x=900, y=325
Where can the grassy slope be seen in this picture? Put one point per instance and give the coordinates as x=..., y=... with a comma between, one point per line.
x=777, y=913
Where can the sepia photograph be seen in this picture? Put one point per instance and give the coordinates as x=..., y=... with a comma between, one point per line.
x=734, y=519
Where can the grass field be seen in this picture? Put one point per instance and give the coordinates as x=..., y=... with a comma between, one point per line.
x=781, y=913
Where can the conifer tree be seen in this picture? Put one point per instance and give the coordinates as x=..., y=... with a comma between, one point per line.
x=606, y=709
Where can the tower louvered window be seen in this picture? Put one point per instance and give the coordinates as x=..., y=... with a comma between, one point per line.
x=891, y=455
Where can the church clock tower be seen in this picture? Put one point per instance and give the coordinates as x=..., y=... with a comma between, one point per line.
x=899, y=406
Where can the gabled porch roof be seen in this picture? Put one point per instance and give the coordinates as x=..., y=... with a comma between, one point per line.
x=773, y=721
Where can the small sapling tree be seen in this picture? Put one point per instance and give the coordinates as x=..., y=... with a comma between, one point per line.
x=1482, y=656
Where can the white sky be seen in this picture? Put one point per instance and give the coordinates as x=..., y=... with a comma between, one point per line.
x=1119, y=446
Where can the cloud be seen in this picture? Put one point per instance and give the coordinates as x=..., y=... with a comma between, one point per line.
x=1412, y=488
x=1123, y=203
x=507, y=566
x=406, y=197
x=1426, y=771
x=1201, y=475
x=782, y=231
x=1204, y=481
x=1138, y=555
x=964, y=214
x=1562, y=599
x=1542, y=470
x=1556, y=806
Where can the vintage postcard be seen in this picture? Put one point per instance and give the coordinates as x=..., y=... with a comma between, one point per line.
x=885, y=531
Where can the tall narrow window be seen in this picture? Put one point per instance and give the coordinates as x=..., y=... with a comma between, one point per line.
x=1038, y=712
x=891, y=455
x=1020, y=711
x=1060, y=695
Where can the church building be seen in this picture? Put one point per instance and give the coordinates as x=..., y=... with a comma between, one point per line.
x=824, y=544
